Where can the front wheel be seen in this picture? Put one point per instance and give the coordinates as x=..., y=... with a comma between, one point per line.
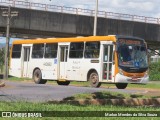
x=37, y=77
x=94, y=80
x=121, y=85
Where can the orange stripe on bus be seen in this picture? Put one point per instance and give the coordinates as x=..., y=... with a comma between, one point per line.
x=56, y=40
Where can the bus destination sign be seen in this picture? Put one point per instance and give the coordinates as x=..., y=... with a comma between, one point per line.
x=129, y=42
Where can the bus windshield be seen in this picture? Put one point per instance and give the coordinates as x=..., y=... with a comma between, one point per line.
x=132, y=54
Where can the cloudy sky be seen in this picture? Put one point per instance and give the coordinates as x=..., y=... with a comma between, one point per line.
x=149, y=8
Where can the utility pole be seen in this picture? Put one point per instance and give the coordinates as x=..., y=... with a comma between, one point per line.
x=9, y=14
x=95, y=19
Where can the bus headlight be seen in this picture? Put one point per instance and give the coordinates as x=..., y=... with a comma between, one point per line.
x=120, y=71
x=147, y=73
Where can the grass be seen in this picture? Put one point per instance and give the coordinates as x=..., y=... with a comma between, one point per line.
x=25, y=106
x=17, y=79
x=154, y=85
x=106, y=95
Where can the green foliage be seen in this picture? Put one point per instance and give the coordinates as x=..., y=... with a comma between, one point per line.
x=1, y=59
x=153, y=85
x=12, y=78
x=154, y=71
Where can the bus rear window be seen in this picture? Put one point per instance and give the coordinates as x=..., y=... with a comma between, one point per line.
x=16, y=51
x=38, y=50
x=51, y=50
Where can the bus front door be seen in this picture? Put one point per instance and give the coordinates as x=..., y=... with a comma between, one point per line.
x=63, y=62
x=26, y=55
x=107, y=70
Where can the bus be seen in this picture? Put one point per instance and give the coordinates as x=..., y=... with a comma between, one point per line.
x=97, y=59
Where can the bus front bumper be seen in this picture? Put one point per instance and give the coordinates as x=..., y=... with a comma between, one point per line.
x=124, y=79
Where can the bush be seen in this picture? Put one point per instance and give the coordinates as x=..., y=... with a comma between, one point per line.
x=154, y=71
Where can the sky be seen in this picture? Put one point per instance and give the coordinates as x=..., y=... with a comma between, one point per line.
x=3, y=40
x=148, y=8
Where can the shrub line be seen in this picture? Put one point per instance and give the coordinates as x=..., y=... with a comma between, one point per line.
x=123, y=102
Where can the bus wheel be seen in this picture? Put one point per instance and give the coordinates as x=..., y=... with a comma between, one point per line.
x=37, y=77
x=121, y=85
x=63, y=82
x=94, y=80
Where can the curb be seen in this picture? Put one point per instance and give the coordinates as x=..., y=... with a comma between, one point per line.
x=123, y=102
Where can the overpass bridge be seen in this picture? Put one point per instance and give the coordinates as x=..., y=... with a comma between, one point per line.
x=42, y=20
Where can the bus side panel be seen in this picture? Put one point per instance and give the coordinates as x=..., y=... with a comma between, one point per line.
x=77, y=69
x=73, y=68
x=48, y=68
x=15, y=67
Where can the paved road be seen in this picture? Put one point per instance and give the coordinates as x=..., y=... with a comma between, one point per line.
x=24, y=91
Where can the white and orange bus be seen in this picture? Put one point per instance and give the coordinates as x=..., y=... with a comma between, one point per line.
x=97, y=59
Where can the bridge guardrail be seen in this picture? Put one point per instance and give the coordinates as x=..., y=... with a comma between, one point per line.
x=79, y=11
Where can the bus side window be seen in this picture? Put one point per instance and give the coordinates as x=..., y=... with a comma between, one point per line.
x=37, y=50
x=51, y=50
x=92, y=49
x=16, y=51
x=76, y=50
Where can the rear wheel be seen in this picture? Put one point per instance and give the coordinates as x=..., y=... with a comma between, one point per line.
x=63, y=82
x=121, y=85
x=37, y=77
x=94, y=80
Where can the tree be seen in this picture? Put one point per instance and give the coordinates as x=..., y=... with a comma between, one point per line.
x=1, y=59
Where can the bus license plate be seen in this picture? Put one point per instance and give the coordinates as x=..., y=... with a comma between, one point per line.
x=134, y=79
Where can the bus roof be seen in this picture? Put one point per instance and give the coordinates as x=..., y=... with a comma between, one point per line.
x=75, y=39
x=71, y=39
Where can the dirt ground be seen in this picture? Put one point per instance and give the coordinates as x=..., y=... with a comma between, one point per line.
x=149, y=92
x=153, y=93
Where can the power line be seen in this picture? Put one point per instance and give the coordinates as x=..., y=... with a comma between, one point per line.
x=9, y=14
